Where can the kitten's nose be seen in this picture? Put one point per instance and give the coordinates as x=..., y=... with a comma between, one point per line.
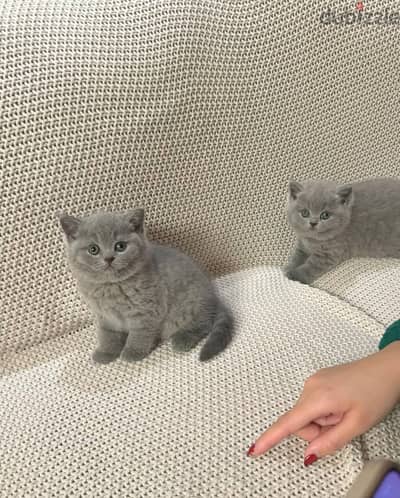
x=313, y=223
x=109, y=259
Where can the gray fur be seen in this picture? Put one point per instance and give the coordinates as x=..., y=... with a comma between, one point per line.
x=364, y=221
x=148, y=293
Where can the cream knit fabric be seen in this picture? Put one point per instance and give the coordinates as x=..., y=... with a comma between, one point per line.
x=173, y=427
x=372, y=285
x=200, y=111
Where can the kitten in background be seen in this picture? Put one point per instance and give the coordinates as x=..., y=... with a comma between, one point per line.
x=142, y=293
x=336, y=222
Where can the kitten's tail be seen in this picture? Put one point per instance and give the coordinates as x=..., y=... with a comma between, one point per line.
x=220, y=336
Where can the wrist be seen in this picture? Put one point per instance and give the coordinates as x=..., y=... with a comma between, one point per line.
x=391, y=356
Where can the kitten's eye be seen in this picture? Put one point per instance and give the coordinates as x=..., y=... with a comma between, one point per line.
x=305, y=213
x=324, y=215
x=93, y=249
x=120, y=246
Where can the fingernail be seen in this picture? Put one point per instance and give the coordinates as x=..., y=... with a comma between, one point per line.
x=250, y=451
x=310, y=459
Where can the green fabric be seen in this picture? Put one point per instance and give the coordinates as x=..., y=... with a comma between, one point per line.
x=392, y=333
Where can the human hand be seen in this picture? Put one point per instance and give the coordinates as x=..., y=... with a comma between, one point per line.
x=338, y=404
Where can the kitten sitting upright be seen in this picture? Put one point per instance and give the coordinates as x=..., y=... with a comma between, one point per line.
x=336, y=222
x=142, y=293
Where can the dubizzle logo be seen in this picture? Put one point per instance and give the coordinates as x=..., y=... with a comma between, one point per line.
x=360, y=15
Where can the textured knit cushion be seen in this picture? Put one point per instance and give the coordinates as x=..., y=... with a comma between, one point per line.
x=173, y=427
x=200, y=110
x=372, y=285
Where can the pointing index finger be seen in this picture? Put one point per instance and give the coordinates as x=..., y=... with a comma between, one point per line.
x=289, y=423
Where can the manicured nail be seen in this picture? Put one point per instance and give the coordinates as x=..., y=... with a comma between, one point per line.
x=310, y=459
x=250, y=451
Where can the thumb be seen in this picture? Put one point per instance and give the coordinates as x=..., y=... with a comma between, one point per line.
x=332, y=440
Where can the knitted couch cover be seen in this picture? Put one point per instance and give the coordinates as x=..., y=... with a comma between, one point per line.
x=200, y=111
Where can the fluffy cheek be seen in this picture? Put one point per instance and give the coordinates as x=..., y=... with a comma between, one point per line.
x=297, y=222
x=72, y=256
x=327, y=225
x=127, y=258
x=82, y=261
x=334, y=224
x=292, y=219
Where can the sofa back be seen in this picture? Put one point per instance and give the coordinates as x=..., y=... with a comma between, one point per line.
x=199, y=111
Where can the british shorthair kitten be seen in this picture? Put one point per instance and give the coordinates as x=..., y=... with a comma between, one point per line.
x=336, y=222
x=142, y=293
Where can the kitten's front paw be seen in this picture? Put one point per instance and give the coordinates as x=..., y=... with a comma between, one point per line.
x=183, y=342
x=103, y=357
x=287, y=270
x=131, y=355
x=298, y=276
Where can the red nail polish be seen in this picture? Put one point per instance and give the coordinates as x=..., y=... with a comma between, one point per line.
x=310, y=459
x=250, y=451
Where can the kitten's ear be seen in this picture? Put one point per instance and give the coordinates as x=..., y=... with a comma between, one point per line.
x=294, y=189
x=69, y=224
x=345, y=194
x=136, y=219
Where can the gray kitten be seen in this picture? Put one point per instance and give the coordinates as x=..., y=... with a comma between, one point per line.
x=142, y=293
x=336, y=222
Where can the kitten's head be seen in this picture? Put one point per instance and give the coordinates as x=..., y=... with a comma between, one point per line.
x=319, y=210
x=105, y=247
